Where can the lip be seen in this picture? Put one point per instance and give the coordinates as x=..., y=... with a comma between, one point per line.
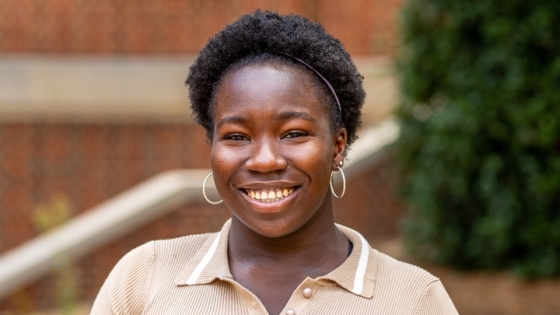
x=266, y=185
x=270, y=207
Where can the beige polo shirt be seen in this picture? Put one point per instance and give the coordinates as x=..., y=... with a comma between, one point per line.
x=190, y=275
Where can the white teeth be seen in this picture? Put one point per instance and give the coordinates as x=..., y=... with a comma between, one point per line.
x=268, y=196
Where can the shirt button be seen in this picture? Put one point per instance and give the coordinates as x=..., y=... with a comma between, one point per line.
x=290, y=312
x=254, y=304
x=307, y=292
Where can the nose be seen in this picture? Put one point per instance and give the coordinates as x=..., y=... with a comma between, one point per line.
x=266, y=156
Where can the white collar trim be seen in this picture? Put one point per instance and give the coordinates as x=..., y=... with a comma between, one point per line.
x=204, y=262
x=362, y=265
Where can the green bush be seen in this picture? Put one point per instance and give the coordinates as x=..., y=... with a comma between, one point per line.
x=479, y=152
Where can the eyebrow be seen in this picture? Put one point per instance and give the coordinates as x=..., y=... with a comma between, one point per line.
x=295, y=115
x=282, y=116
x=231, y=120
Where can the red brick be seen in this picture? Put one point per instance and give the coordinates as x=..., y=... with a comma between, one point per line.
x=178, y=27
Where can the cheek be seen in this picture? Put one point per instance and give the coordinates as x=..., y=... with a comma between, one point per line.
x=226, y=160
x=313, y=156
x=223, y=167
x=218, y=159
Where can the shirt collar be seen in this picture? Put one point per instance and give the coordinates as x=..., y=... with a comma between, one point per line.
x=356, y=274
x=210, y=262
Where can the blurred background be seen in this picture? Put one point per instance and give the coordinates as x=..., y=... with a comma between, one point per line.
x=93, y=103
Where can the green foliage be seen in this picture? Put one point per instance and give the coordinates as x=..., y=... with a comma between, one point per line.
x=47, y=217
x=52, y=214
x=479, y=152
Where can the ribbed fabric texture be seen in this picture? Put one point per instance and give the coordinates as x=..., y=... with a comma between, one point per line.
x=163, y=277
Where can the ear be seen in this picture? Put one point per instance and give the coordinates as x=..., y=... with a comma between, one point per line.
x=339, y=147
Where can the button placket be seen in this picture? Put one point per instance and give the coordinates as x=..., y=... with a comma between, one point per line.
x=307, y=292
x=302, y=297
x=251, y=301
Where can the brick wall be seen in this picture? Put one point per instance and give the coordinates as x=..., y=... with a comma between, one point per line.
x=87, y=163
x=126, y=27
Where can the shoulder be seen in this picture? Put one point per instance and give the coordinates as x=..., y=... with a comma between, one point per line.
x=126, y=286
x=411, y=284
x=158, y=258
x=401, y=273
x=144, y=256
x=180, y=248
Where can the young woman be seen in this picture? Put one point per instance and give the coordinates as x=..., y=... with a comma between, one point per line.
x=280, y=100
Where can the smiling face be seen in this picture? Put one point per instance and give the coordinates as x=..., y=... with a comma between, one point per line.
x=273, y=148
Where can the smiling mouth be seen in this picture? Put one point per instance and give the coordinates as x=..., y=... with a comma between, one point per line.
x=270, y=195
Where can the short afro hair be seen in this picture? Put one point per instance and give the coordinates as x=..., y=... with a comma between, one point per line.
x=265, y=33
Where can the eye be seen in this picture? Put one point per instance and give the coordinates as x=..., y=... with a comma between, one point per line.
x=236, y=137
x=295, y=134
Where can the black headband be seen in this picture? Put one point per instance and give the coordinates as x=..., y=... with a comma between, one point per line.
x=320, y=75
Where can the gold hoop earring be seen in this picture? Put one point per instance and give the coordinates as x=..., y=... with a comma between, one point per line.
x=343, y=184
x=204, y=191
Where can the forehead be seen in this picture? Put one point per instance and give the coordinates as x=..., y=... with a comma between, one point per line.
x=270, y=84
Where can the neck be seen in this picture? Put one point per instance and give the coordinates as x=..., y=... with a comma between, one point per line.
x=312, y=247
